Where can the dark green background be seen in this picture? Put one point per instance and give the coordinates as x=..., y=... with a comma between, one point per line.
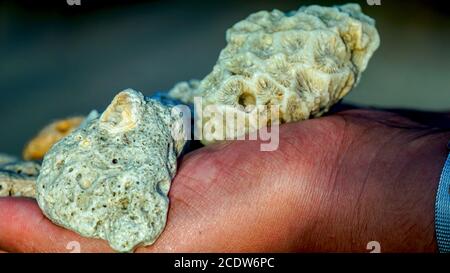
x=57, y=60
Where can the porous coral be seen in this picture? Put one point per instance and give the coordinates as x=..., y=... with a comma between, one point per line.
x=302, y=62
x=110, y=178
x=17, y=178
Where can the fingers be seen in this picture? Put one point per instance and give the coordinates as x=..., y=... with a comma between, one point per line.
x=25, y=229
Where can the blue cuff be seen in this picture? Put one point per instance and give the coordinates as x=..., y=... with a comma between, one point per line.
x=442, y=213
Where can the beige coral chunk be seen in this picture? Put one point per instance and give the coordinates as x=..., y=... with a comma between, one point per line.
x=48, y=136
x=302, y=62
x=17, y=185
x=18, y=178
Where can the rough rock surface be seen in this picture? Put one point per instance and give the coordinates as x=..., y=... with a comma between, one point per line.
x=17, y=178
x=303, y=62
x=48, y=136
x=110, y=178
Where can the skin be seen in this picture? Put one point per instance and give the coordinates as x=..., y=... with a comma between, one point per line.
x=335, y=184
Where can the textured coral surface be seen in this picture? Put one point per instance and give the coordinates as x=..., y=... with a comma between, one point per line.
x=110, y=178
x=303, y=62
x=17, y=178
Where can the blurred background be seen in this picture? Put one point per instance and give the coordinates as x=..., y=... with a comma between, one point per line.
x=58, y=60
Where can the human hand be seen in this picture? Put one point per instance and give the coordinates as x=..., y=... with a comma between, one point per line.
x=334, y=184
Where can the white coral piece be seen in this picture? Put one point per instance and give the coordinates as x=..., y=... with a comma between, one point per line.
x=303, y=62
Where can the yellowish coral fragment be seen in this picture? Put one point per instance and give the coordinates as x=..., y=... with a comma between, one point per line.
x=52, y=133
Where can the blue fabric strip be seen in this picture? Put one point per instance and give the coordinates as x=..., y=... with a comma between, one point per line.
x=442, y=220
